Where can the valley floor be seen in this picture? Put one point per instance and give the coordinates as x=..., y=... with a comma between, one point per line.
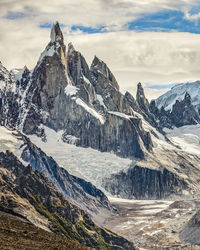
x=152, y=224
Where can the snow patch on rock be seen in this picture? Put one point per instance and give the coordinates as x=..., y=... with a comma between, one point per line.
x=119, y=114
x=49, y=51
x=100, y=99
x=186, y=137
x=90, y=110
x=71, y=90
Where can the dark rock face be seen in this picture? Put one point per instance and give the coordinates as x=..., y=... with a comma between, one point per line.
x=82, y=193
x=141, y=99
x=20, y=183
x=161, y=115
x=144, y=183
x=15, y=99
x=63, y=93
x=141, y=106
x=183, y=113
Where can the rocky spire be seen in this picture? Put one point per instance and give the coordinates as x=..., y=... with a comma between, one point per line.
x=55, y=46
x=99, y=66
x=56, y=33
x=77, y=65
x=187, y=99
x=141, y=99
x=132, y=102
x=184, y=113
x=70, y=48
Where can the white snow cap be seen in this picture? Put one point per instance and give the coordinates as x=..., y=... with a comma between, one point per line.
x=56, y=33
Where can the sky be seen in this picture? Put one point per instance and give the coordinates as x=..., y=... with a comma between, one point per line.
x=155, y=42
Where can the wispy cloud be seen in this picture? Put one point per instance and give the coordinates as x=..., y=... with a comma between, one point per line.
x=156, y=55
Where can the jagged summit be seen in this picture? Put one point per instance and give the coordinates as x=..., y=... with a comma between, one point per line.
x=187, y=98
x=70, y=47
x=63, y=93
x=56, y=33
x=140, y=90
x=99, y=66
x=168, y=99
x=141, y=99
x=55, y=46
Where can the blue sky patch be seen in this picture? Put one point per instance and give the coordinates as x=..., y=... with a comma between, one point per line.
x=167, y=86
x=194, y=10
x=85, y=29
x=162, y=21
x=49, y=25
x=167, y=20
x=89, y=30
x=14, y=15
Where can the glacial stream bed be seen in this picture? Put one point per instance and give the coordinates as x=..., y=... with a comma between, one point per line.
x=152, y=224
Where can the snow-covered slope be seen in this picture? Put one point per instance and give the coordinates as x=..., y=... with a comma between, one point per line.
x=178, y=92
x=79, y=191
x=10, y=140
x=86, y=163
x=186, y=137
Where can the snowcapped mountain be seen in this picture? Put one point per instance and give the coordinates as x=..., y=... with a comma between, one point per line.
x=68, y=135
x=168, y=99
x=63, y=93
x=77, y=115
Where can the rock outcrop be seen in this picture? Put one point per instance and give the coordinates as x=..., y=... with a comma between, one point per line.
x=145, y=183
x=183, y=113
x=164, y=174
x=82, y=193
x=23, y=189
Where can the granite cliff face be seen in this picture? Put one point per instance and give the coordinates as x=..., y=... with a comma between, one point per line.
x=63, y=93
x=183, y=113
x=145, y=183
x=164, y=174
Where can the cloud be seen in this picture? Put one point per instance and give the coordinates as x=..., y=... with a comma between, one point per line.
x=113, y=14
x=154, y=58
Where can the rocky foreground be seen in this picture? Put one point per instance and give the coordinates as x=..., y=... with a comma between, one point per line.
x=15, y=232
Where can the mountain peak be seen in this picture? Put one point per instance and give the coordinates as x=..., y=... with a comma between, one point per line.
x=141, y=99
x=140, y=91
x=70, y=48
x=101, y=67
x=56, y=33
x=97, y=61
x=187, y=98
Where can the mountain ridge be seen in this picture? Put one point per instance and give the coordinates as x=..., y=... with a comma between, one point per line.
x=61, y=216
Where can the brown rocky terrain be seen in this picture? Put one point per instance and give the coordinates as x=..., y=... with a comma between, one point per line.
x=28, y=194
x=18, y=233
